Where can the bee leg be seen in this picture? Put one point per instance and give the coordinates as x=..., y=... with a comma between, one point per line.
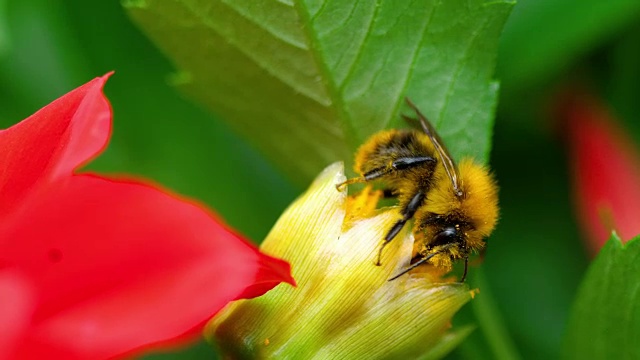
x=348, y=182
x=466, y=267
x=407, y=213
x=410, y=162
x=399, y=164
x=370, y=175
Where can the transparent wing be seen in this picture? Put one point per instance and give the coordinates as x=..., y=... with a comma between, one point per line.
x=447, y=160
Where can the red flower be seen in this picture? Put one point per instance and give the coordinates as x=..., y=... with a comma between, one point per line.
x=606, y=172
x=92, y=267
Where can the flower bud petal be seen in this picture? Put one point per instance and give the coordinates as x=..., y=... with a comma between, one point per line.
x=344, y=306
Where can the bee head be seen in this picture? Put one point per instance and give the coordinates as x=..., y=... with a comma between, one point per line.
x=445, y=236
x=445, y=241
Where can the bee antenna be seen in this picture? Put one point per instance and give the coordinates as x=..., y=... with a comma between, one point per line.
x=413, y=266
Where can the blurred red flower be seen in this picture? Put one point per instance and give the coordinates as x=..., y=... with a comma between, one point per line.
x=606, y=171
x=94, y=268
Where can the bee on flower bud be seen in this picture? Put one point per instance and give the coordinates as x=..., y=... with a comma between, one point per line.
x=454, y=207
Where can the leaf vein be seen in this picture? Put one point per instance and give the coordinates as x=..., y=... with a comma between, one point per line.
x=254, y=59
x=333, y=29
x=458, y=69
x=320, y=10
x=367, y=35
x=414, y=58
x=263, y=26
x=334, y=94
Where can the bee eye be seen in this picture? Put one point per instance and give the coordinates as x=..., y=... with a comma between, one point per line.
x=447, y=236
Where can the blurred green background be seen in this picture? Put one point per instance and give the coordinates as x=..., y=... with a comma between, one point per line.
x=534, y=261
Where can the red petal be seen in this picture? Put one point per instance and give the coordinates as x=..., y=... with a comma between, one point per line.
x=115, y=266
x=121, y=265
x=17, y=301
x=606, y=173
x=268, y=277
x=52, y=142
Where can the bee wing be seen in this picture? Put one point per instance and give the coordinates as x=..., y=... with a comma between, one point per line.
x=447, y=160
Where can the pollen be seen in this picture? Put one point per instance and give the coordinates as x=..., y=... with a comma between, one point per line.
x=361, y=205
x=474, y=292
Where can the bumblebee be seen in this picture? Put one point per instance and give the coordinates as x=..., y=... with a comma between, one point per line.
x=455, y=207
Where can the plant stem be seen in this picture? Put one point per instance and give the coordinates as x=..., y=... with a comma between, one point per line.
x=491, y=323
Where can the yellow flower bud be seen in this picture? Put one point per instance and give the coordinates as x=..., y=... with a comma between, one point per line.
x=344, y=307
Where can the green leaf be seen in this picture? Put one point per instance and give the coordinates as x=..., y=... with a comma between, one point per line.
x=543, y=37
x=605, y=319
x=5, y=38
x=307, y=81
x=622, y=79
